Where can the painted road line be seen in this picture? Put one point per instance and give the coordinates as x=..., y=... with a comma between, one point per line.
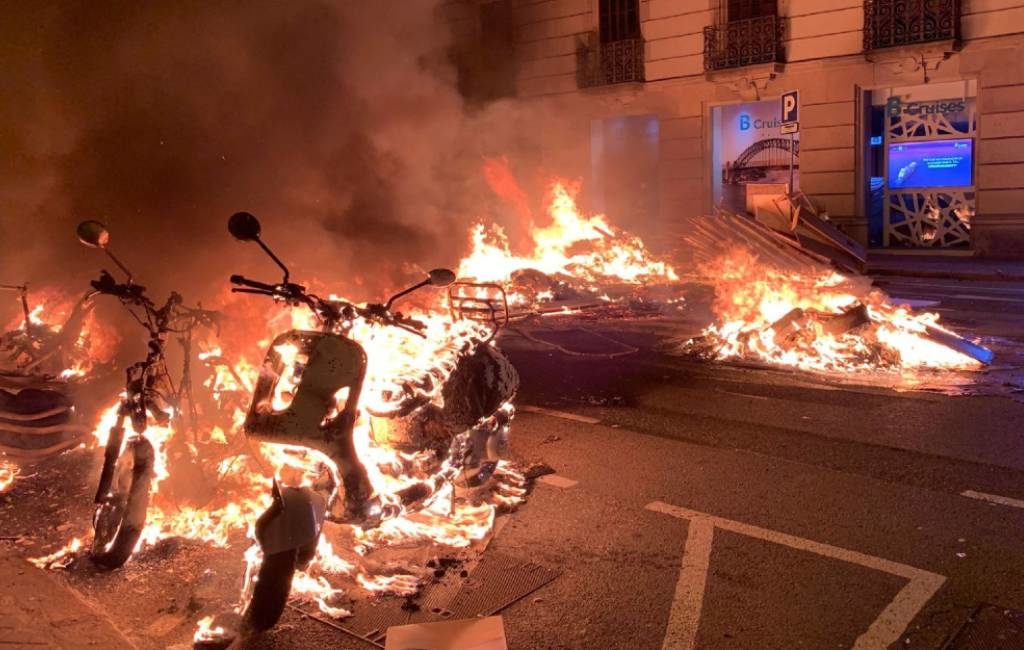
x=751, y=395
x=883, y=632
x=684, y=619
x=559, y=414
x=967, y=296
x=558, y=481
x=993, y=498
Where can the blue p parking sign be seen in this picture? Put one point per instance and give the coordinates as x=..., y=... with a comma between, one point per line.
x=790, y=105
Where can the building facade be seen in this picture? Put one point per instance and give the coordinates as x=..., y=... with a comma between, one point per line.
x=911, y=112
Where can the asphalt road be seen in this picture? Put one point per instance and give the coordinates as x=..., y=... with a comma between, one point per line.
x=715, y=506
x=701, y=505
x=817, y=513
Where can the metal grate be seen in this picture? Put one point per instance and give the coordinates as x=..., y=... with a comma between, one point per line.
x=893, y=23
x=495, y=583
x=991, y=627
x=739, y=43
x=602, y=64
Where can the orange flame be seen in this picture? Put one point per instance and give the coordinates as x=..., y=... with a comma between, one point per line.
x=751, y=297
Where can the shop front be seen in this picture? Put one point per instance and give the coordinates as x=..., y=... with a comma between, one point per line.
x=920, y=165
x=750, y=155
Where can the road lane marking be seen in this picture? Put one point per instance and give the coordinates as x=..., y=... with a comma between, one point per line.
x=559, y=414
x=751, y=395
x=967, y=296
x=684, y=619
x=558, y=481
x=884, y=631
x=993, y=498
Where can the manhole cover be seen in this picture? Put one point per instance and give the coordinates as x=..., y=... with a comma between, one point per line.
x=991, y=627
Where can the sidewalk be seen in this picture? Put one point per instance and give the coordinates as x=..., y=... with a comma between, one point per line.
x=36, y=611
x=948, y=267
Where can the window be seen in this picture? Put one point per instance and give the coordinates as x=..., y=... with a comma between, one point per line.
x=896, y=23
x=745, y=32
x=619, y=20
x=747, y=9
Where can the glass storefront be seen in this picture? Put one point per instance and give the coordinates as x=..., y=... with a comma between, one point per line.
x=920, y=165
x=749, y=150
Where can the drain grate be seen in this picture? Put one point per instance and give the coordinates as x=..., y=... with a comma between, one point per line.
x=991, y=627
x=496, y=582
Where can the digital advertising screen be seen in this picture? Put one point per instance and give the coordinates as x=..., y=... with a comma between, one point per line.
x=935, y=163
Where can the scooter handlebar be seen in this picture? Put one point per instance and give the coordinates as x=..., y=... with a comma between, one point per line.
x=243, y=281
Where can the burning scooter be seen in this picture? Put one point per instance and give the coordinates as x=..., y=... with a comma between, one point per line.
x=41, y=364
x=151, y=396
x=449, y=421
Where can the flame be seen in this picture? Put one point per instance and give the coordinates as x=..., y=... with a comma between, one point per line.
x=206, y=631
x=60, y=558
x=401, y=366
x=751, y=297
x=93, y=344
x=587, y=249
x=9, y=472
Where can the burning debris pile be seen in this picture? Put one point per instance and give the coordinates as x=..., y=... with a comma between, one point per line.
x=774, y=307
x=575, y=258
x=54, y=338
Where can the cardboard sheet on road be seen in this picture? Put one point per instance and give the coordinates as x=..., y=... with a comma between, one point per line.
x=470, y=634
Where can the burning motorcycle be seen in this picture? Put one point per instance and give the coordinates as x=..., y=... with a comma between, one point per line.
x=39, y=362
x=151, y=395
x=449, y=424
x=37, y=349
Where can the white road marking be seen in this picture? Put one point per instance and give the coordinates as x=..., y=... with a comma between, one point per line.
x=559, y=414
x=993, y=498
x=558, y=481
x=688, y=603
x=884, y=631
x=729, y=392
x=968, y=296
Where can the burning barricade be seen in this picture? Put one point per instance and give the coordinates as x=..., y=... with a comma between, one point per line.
x=776, y=306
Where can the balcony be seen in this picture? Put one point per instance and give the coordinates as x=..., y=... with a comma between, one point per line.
x=899, y=23
x=603, y=64
x=741, y=43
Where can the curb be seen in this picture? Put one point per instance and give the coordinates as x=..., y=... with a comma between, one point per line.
x=993, y=276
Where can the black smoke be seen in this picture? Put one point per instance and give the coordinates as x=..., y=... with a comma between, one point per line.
x=340, y=124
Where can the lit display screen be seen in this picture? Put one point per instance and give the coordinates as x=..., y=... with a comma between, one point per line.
x=936, y=163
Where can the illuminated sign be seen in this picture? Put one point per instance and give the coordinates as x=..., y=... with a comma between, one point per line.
x=894, y=107
x=746, y=123
x=931, y=163
x=790, y=107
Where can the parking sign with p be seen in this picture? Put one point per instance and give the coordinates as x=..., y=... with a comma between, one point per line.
x=790, y=107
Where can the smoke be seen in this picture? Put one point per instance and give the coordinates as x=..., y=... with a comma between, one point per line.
x=338, y=124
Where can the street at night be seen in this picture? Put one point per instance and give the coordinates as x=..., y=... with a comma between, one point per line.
x=512, y=324
x=817, y=503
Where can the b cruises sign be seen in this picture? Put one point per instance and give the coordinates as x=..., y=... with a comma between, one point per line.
x=894, y=107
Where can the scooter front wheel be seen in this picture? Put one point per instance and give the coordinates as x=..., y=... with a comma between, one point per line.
x=269, y=594
x=120, y=514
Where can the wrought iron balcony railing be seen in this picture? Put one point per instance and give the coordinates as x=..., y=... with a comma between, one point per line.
x=741, y=43
x=892, y=23
x=601, y=64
